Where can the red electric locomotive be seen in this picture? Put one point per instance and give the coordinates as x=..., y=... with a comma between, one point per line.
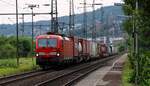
x=52, y=49
x=55, y=49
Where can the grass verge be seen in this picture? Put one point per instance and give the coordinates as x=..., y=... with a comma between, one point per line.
x=9, y=66
x=126, y=74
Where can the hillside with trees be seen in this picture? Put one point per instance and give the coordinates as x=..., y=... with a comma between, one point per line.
x=105, y=16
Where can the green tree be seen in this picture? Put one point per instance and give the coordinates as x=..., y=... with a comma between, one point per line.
x=9, y=45
x=7, y=51
x=24, y=46
x=143, y=24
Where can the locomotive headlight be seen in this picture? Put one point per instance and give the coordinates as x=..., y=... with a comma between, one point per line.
x=58, y=54
x=37, y=54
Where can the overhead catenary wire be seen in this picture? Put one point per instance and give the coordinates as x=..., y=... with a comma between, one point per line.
x=10, y=4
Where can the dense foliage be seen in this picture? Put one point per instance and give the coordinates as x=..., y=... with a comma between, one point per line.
x=142, y=23
x=121, y=47
x=8, y=47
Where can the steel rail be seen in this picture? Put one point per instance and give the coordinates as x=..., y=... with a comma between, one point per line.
x=19, y=77
x=54, y=79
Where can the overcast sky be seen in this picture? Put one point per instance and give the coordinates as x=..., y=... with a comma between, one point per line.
x=8, y=6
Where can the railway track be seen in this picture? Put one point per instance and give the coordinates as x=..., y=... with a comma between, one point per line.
x=65, y=77
x=69, y=78
x=14, y=79
x=17, y=75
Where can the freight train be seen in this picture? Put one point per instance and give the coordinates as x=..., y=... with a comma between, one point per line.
x=56, y=49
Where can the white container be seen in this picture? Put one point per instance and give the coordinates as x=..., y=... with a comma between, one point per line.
x=94, y=51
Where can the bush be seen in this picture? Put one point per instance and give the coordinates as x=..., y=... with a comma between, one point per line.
x=121, y=48
x=7, y=51
x=9, y=45
x=143, y=68
x=24, y=47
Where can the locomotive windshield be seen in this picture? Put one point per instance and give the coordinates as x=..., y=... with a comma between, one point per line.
x=47, y=43
x=51, y=42
x=42, y=42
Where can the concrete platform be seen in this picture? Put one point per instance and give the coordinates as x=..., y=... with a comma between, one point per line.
x=109, y=75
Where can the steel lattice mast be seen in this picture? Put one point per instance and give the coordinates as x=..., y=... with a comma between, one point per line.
x=94, y=27
x=85, y=20
x=54, y=16
x=71, y=17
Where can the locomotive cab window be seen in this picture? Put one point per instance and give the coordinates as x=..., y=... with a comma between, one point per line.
x=52, y=42
x=47, y=43
x=42, y=42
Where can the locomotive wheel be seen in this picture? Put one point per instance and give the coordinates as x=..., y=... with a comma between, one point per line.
x=88, y=58
x=80, y=59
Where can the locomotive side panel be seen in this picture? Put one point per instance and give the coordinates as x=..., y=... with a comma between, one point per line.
x=68, y=49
